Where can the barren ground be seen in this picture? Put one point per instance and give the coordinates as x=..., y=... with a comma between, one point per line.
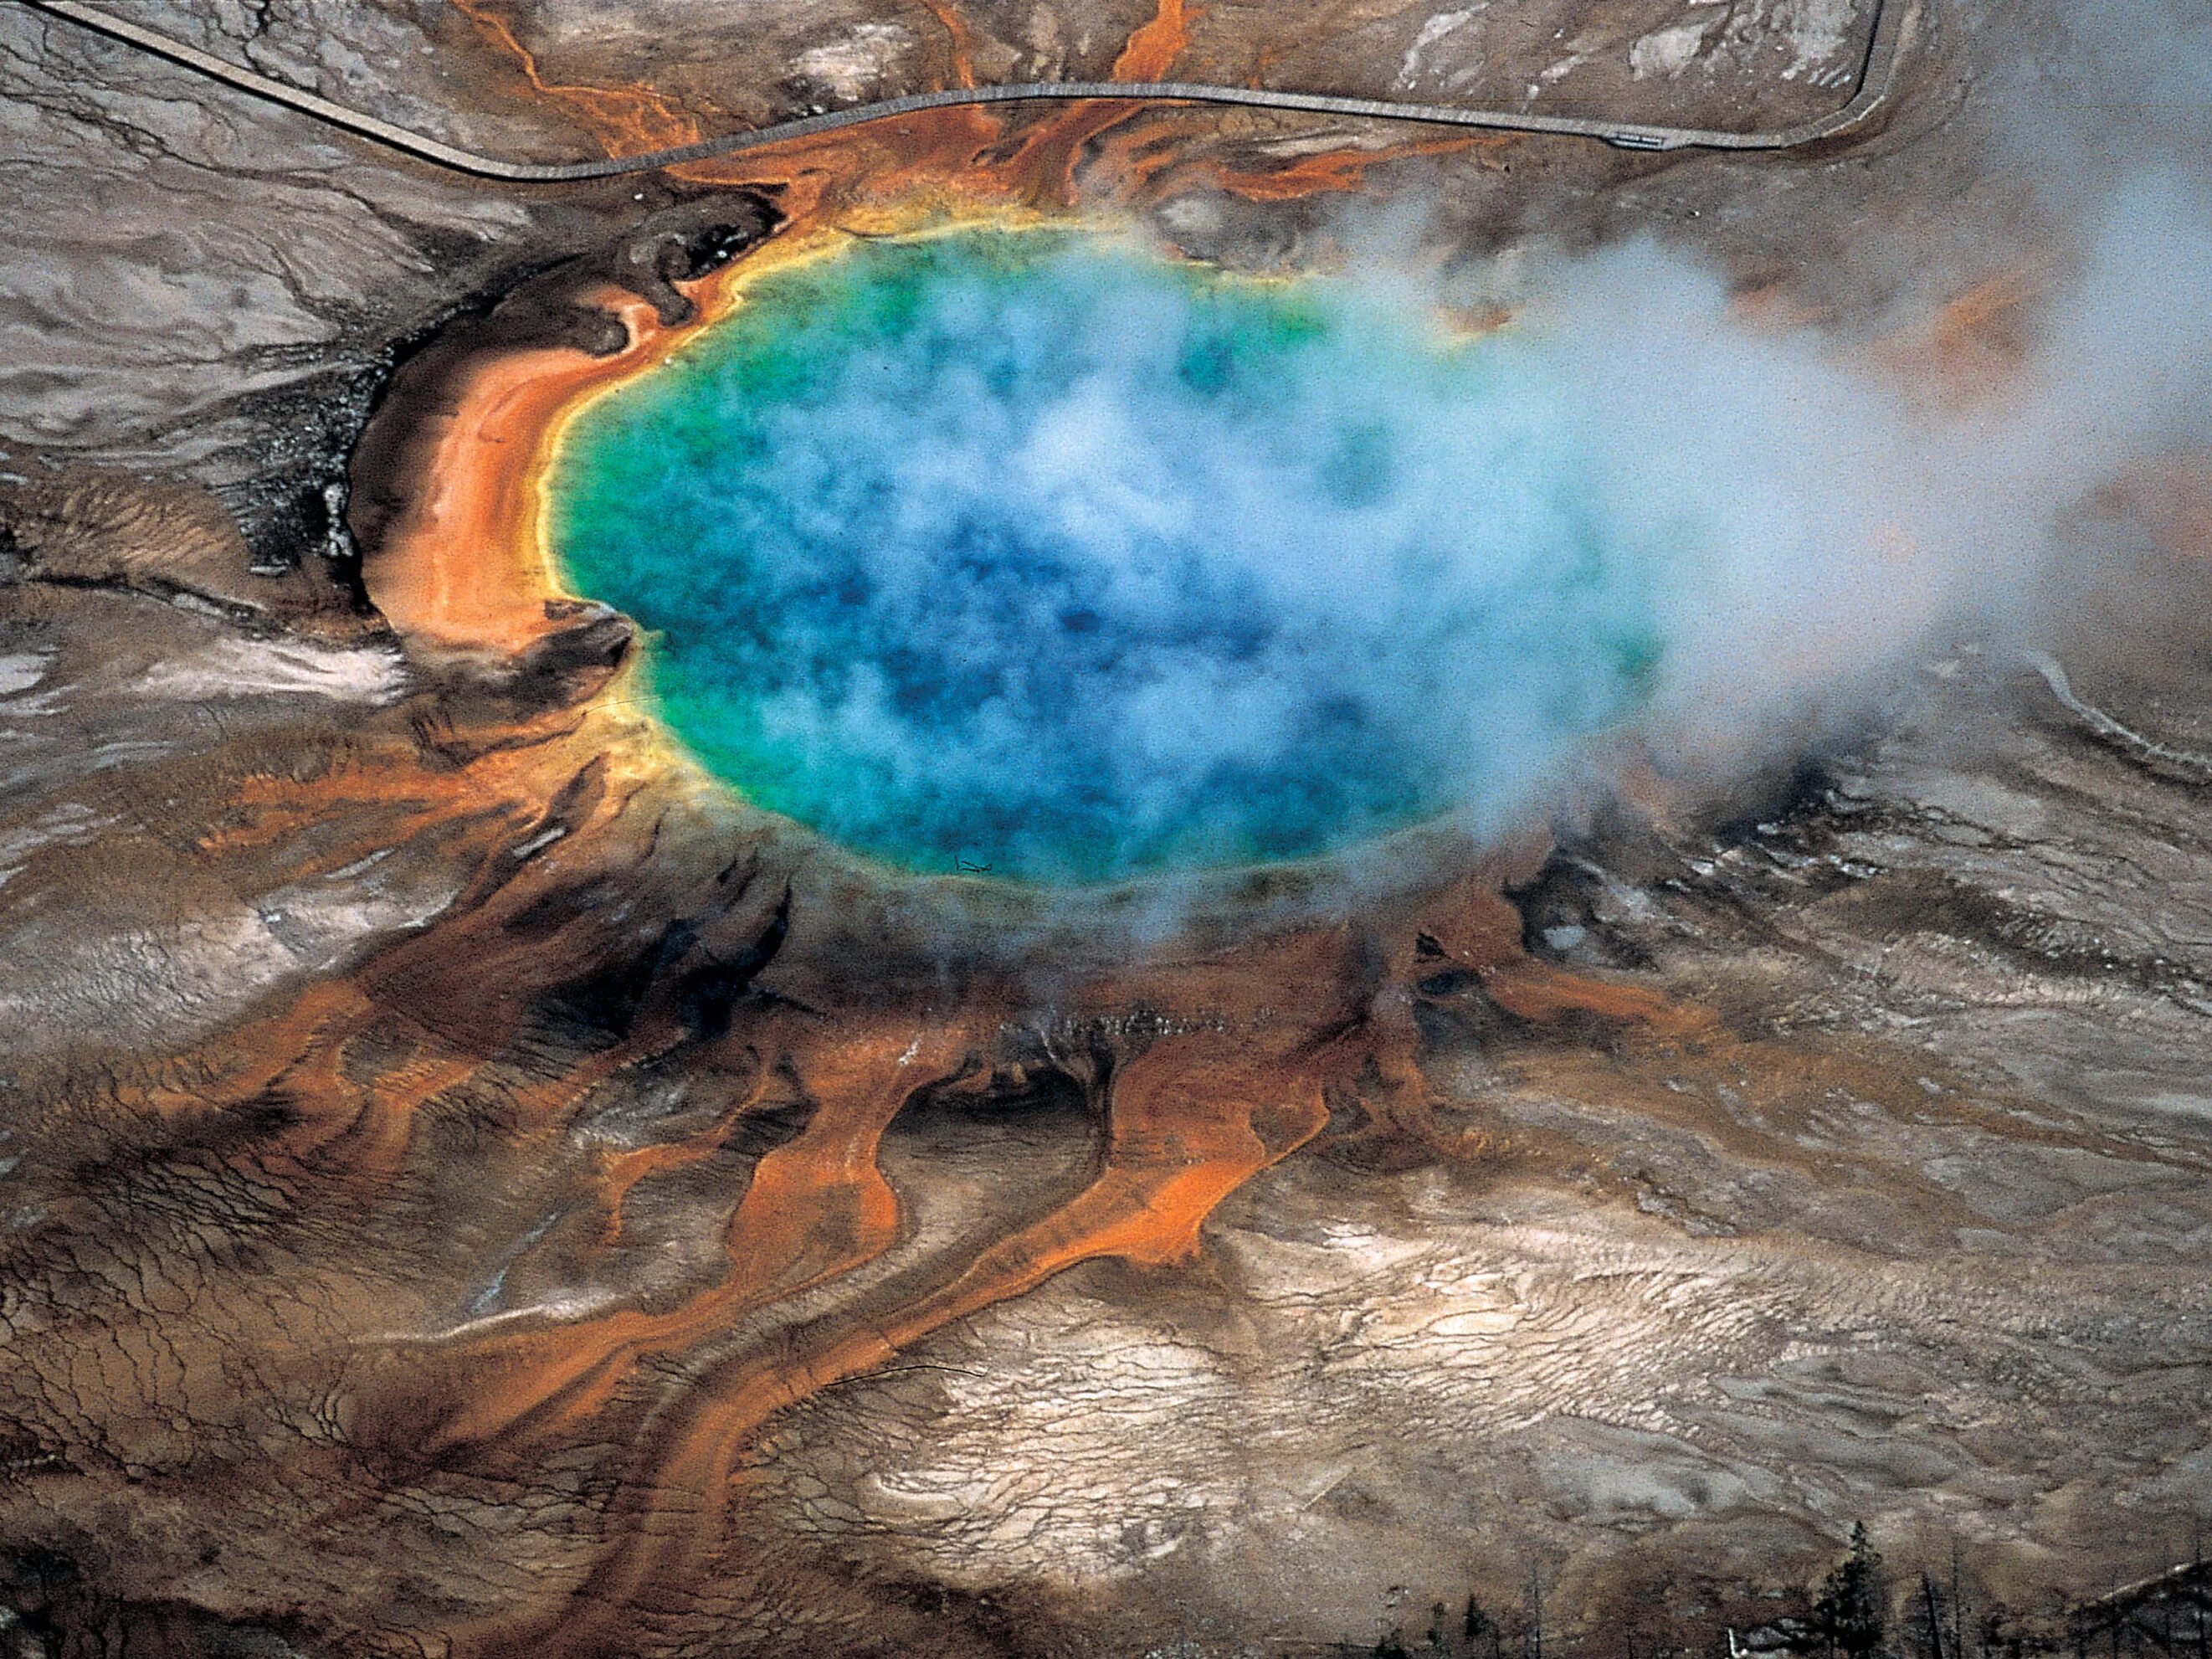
x=468, y=1186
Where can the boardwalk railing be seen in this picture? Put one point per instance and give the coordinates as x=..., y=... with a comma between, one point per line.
x=1871, y=89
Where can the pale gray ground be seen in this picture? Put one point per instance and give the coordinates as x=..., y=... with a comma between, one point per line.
x=1642, y=1345
x=1699, y=1351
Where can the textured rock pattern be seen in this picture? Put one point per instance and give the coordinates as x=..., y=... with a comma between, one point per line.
x=1692, y=1311
x=469, y=1187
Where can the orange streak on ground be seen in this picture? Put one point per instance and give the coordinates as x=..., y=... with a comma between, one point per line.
x=1053, y=149
x=368, y=1127
x=1772, y=305
x=1978, y=339
x=952, y=159
x=1475, y=927
x=903, y=165
x=1987, y=306
x=632, y=120
x=960, y=38
x=266, y=809
x=377, y=1144
x=465, y=566
x=1191, y=1118
x=249, y=1061
x=1152, y=49
x=1540, y=993
x=620, y=1172
x=288, y=1051
x=817, y=1207
x=1974, y=342
x=298, y=1056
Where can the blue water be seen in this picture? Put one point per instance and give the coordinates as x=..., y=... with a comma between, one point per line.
x=1034, y=551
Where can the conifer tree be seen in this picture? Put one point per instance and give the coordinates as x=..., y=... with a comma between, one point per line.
x=1848, y=1615
x=1477, y=1625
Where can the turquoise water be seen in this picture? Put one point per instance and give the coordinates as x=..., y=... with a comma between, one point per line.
x=1034, y=552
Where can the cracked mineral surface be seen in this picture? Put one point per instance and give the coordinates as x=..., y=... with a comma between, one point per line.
x=471, y=1185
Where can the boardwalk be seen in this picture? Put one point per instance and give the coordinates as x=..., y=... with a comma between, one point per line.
x=1871, y=91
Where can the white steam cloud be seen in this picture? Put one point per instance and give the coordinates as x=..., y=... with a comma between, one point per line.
x=1845, y=505
x=1019, y=595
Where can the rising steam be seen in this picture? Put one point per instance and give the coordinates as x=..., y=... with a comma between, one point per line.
x=1837, y=505
x=1046, y=553
x=1041, y=551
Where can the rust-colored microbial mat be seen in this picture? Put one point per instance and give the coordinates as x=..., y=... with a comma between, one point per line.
x=1203, y=1069
x=623, y=1152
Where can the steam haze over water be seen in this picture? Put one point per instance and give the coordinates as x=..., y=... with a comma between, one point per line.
x=1040, y=551
x=1044, y=551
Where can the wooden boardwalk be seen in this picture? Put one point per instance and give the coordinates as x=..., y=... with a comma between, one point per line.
x=1871, y=90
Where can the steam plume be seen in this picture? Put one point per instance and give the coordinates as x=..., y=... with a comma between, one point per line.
x=1080, y=566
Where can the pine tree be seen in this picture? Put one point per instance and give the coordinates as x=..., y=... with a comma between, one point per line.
x=1477, y=1623
x=1848, y=1616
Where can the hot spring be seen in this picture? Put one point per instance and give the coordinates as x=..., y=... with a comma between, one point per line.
x=1038, y=552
